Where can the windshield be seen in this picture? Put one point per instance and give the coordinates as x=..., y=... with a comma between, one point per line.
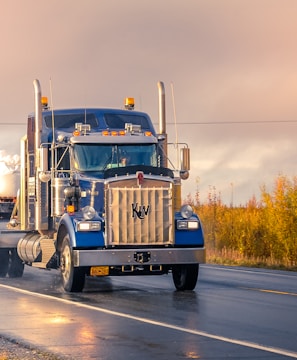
x=95, y=157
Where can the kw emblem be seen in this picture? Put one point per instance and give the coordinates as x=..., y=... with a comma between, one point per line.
x=140, y=211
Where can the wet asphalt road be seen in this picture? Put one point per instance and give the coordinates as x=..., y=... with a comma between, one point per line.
x=234, y=313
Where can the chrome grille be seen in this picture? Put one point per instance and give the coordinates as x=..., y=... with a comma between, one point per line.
x=139, y=215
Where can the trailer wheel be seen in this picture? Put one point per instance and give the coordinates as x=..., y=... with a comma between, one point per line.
x=15, y=265
x=4, y=259
x=185, y=276
x=73, y=278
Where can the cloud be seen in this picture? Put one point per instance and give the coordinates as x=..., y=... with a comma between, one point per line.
x=232, y=65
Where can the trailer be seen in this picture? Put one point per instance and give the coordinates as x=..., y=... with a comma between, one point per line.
x=9, y=180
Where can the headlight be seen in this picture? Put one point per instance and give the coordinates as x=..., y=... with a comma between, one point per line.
x=187, y=224
x=88, y=212
x=88, y=226
x=186, y=211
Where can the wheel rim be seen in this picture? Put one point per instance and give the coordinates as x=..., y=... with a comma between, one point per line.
x=66, y=263
x=73, y=278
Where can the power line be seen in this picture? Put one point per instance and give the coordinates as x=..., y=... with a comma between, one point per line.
x=233, y=122
x=14, y=124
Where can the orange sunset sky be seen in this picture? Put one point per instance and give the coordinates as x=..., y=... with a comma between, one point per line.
x=231, y=63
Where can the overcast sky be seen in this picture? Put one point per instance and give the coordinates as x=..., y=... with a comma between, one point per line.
x=232, y=65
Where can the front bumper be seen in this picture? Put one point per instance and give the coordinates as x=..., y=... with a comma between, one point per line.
x=118, y=257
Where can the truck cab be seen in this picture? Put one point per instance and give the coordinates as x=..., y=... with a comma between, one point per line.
x=97, y=197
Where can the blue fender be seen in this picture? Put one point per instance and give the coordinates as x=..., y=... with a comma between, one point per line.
x=81, y=239
x=189, y=237
x=67, y=222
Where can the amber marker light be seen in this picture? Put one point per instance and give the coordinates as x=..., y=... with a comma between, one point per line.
x=129, y=103
x=70, y=209
x=76, y=133
x=44, y=102
x=105, y=133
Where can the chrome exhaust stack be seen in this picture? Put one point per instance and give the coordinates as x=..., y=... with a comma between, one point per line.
x=38, y=118
x=41, y=222
x=162, y=123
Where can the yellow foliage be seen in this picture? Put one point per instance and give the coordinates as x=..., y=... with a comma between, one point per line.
x=265, y=229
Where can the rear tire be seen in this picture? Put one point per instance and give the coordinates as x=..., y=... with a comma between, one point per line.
x=185, y=276
x=16, y=265
x=4, y=260
x=73, y=278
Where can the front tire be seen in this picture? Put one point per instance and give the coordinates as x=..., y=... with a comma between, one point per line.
x=185, y=276
x=4, y=260
x=16, y=265
x=73, y=278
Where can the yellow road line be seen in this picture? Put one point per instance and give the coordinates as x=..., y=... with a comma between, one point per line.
x=271, y=291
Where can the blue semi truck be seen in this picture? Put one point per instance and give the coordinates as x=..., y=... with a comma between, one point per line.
x=97, y=198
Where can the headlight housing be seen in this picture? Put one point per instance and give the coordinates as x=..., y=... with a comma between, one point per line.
x=88, y=212
x=88, y=225
x=187, y=224
x=186, y=211
x=90, y=220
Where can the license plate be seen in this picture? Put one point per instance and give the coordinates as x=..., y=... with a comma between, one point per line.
x=99, y=271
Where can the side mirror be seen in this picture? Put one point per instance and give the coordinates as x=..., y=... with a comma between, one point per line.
x=44, y=174
x=184, y=163
x=185, y=159
x=43, y=159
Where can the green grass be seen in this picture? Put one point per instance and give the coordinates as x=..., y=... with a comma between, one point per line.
x=234, y=258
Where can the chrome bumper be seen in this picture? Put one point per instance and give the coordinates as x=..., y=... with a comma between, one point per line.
x=118, y=257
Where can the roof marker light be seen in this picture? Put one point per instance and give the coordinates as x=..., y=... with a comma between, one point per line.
x=129, y=103
x=44, y=102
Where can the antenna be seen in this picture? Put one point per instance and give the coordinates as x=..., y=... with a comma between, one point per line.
x=52, y=107
x=53, y=160
x=175, y=122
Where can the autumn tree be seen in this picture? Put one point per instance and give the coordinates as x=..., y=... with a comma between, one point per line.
x=265, y=229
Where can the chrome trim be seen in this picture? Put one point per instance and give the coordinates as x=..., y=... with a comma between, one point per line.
x=121, y=257
x=38, y=127
x=10, y=238
x=137, y=215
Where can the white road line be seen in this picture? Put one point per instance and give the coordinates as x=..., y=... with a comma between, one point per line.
x=160, y=324
x=251, y=271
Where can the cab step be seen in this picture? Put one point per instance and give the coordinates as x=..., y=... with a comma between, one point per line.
x=48, y=250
